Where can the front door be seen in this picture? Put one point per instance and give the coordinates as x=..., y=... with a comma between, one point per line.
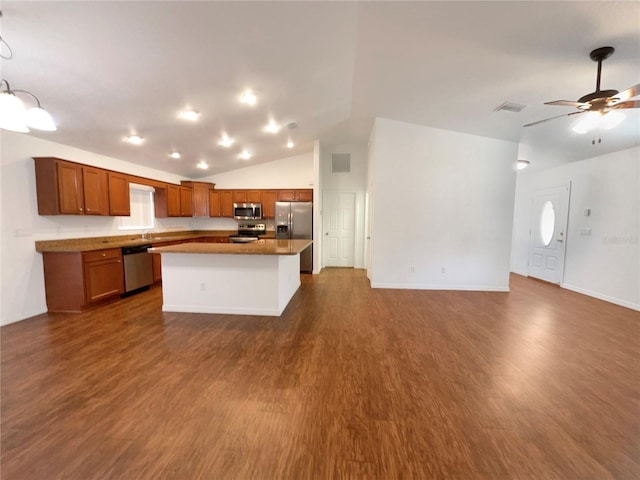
x=339, y=227
x=548, y=233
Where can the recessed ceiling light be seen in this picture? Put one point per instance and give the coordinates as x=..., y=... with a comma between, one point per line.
x=175, y=155
x=225, y=141
x=272, y=127
x=189, y=114
x=134, y=139
x=245, y=155
x=202, y=165
x=248, y=97
x=522, y=164
x=289, y=144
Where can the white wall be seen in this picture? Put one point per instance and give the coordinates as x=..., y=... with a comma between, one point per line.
x=22, y=278
x=441, y=200
x=606, y=263
x=353, y=182
x=290, y=172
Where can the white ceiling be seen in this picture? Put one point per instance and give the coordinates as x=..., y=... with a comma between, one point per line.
x=105, y=69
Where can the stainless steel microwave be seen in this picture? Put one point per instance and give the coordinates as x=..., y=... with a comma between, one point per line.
x=247, y=211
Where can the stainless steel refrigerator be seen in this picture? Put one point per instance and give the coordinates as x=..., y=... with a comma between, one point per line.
x=295, y=220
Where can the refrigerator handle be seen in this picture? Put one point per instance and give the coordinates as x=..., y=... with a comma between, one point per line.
x=290, y=225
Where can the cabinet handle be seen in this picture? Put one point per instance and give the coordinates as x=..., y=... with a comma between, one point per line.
x=104, y=254
x=80, y=208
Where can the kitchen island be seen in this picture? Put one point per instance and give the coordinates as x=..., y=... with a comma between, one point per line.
x=257, y=278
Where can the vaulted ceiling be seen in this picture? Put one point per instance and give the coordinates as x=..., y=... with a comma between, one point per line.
x=108, y=69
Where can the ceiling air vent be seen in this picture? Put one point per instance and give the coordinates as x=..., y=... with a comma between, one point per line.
x=510, y=107
x=341, y=163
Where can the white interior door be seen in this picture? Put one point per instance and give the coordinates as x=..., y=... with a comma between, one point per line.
x=548, y=233
x=339, y=227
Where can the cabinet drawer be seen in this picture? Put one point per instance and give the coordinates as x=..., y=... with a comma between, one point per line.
x=102, y=255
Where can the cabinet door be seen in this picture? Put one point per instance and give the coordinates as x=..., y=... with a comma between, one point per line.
x=119, y=202
x=173, y=200
x=105, y=277
x=186, y=202
x=305, y=195
x=156, y=260
x=287, y=196
x=95, y=188
x=70, y=189
x=239, y=196
x=226, y=203
x=269, y=198
x=214, y=204
x=200, y=200
x=254, y=196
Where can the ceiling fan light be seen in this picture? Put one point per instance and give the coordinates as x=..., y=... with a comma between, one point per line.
x=12, y=113
x=40, y=119
x=611, y=120
x=587, y=123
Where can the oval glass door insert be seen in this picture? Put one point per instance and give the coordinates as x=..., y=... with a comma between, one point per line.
x=547, y=223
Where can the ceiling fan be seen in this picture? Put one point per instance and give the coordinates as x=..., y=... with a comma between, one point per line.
x=600, y=101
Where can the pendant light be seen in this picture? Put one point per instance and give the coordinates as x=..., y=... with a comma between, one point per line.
x=15, y=117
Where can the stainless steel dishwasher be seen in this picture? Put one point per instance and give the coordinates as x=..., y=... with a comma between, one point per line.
x=138, y=268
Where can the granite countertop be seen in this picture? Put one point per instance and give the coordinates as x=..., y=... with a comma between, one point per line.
x=260, y=247
x=118, y=241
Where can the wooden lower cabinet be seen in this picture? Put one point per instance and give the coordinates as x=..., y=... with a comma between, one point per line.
x=77, y=280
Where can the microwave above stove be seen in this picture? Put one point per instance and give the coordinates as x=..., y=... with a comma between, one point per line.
x=247, y=211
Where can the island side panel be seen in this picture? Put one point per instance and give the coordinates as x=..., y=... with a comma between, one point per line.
x=289, y=279
x=218, y=283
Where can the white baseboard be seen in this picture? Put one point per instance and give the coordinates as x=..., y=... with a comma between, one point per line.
x=600, y=296
x=473, y=288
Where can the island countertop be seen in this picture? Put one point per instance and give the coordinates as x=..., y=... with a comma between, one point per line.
x=259, y=247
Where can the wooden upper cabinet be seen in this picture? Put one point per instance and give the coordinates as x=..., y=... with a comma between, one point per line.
x=119, y=201
x=186, y=201
x=247, y=196
x=199, y=197
x=269, y=199
x=254, y=196
x=239, y=196
x=302, y=195
x=214, y=203
x=173, y=200
x=68, y=188
x=226, y=203
x=96, y=191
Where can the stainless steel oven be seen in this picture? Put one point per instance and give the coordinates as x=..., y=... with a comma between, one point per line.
x=248, y=233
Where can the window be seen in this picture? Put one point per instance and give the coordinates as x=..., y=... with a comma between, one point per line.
x=142, y=213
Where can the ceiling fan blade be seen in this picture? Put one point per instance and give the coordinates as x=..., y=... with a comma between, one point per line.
x=631, y=104
x=557, y=116
x=627, y=94
x=568, y=103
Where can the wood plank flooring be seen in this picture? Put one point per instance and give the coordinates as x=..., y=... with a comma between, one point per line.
x=539, y=383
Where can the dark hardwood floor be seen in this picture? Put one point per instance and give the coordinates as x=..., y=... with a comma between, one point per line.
x=539, y=383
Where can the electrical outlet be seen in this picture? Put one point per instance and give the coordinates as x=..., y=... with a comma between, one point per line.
x=443, y=270
x=413, y=269
x=203, y=287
